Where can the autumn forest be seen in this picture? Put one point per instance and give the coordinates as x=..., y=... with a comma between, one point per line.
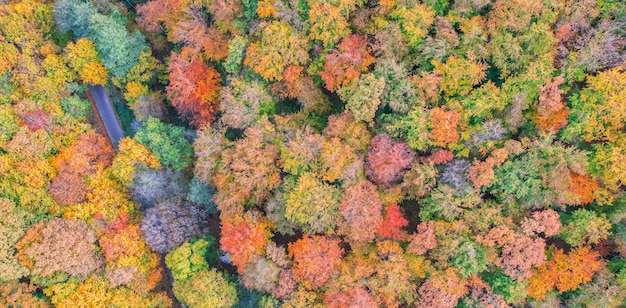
x=313, y=153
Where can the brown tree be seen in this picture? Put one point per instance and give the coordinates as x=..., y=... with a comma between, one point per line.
x=424, y=239
x=361, y=208
x=62, y=245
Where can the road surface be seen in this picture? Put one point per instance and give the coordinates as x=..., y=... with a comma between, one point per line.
x=107, y=114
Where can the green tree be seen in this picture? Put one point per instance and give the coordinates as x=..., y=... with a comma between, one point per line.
x=8, y=123
x=206, y=289
x=119, y=49
x=470, y=258
x=412, y=127
x=585, y=227
x=236, y=48
x=74, y=15
x=167, y=142
x=362, y=96
x=598, y=112
x=76, y=107
x=191, y=257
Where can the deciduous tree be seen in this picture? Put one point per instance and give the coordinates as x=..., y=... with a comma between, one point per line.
x=328, y=23
x=361, y=209
x=169, y=224
x=242, y=103
x=312, y=204
x=167, y=142
x=585, y=227
x=191, y=257
x=386, y=160
x=14, y=222
x=597, y=114
x=205, y=289
x=392, y=224
x=247, y=172
x=347, y=62
x=194, y=89
x=316, y=259
x=552, y=112
x=423, y=240
x=443, y=126
x=280, y=46
x=546, y=222
x=244, y=239
x=362, y=96
x=60, y=245
x=565, y=272
x=150, y=185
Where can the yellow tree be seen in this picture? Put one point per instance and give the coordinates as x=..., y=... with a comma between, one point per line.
x=83, y=58
x=599, y=112
x=280, y=46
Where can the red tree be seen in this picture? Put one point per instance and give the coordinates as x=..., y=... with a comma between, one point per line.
x=194, y=89
x=350, y=59
x=387, y=160
x=438, y=157
x=37, y=119
x=391, y=226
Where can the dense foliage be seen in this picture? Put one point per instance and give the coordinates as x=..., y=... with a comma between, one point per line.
x=314, y=153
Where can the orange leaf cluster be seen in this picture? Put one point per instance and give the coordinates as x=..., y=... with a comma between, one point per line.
x=443, y=126
x=194, y=88
x=243, y=240
x=316, y=259
x=552, y=111
x=481, y=173
x=565, y=272
x=583, y=187
x=90, y=153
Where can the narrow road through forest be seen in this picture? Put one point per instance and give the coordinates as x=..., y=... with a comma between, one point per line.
x=107, y=114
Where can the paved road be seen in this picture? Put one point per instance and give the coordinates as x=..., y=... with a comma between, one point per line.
x=107, y=114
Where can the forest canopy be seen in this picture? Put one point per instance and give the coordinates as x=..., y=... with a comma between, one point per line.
x=313, y=153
